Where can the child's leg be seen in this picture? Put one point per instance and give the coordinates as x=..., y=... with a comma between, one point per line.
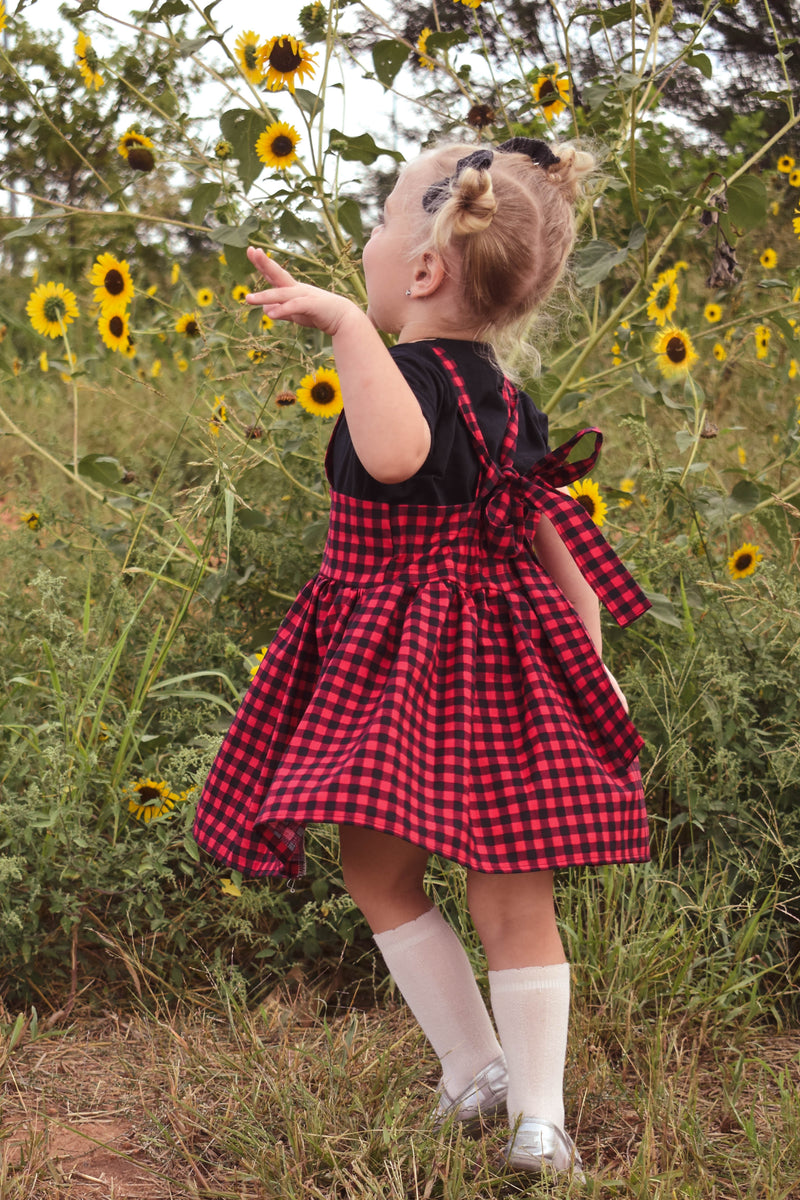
x=384, y=875
x=529, y=983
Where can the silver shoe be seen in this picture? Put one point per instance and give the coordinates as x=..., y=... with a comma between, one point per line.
x=539, y=1146
x=481, y=1098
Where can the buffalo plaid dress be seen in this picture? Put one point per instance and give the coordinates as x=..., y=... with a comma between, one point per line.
x=433, y=683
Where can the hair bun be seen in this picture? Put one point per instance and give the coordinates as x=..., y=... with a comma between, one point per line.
x=571, y=169
x=473, y=201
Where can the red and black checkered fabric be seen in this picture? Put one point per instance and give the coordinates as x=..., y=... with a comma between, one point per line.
x=433, y=683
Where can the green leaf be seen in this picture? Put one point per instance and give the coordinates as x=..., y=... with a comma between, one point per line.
x=34, y=225
x=294, y=229
x=388, y=57
x=248, y=518
x=235, y=235
x=701, y=62
x=637, y=236
x=204, y=197
x=309, y=102
x=171, y=8
x=642, y=385
x=101, y=468
x=441, y=40
x=242, y=127
x=663, y=609
x=349, y=216
x=745, y=495
x=610, y=17
x=359, y=149
x=747, y=202
x=595, y=261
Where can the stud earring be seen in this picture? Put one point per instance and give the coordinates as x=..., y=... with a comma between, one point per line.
x=408, y=291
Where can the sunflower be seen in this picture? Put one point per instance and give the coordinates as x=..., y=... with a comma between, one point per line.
x=248, y=55
x=785, y=164
x=88, y=63
x=182, y=365
x=719, y=352
x=239, y=293
x=744, y=560
x=762, y=334
x=794, y=179
x=551, y=93
x=741, y=454
x=219, y=416
x=151, y=799
x=282, y=59
x=258, y=656
x=626, y=485
x=44, y=365
x=284, y=399
x=275, y=147
x=675, y=351
x=663, y=298
x=469, y=3
x=205, y=297
x=113, y=329
x=321, y=393
x=422, y=42
x=712, y=313
x=481, y=115
x=258, y=355
x=769, y=258
x=2, y=16
x=796, y=220
x=223, y=149
x=188, y=325
x=51, y=308
x=266, y=322
x=113, y=287
x=175, y=273
x=587, y=493
x=31, y=519
x=137, y=150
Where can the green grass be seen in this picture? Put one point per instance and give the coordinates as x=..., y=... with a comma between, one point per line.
x=683, y=1075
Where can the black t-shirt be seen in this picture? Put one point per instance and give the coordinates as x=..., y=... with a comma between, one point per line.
x=450, y=473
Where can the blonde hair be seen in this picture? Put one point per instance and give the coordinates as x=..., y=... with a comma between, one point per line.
x=511, y=227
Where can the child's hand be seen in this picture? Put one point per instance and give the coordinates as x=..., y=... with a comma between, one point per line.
x=621, y=695
x=287, y=300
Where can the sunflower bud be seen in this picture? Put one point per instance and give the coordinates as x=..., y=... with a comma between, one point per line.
x=481, y=115
x=223, y=149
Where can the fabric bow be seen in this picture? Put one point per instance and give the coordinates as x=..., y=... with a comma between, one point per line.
x=511, y=505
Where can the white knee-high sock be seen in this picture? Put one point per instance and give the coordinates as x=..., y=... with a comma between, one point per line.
x=430, y=967
x=531, y=1011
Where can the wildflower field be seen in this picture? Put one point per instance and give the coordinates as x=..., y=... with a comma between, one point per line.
x=163, y=500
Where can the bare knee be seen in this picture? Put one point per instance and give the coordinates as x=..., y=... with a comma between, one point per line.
x=514, y=916
x=384, y=876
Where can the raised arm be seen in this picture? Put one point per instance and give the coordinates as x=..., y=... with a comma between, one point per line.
x=389, y=432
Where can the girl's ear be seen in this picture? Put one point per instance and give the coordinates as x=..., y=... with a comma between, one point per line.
x=429, y=274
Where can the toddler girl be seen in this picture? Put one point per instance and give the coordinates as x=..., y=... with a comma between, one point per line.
x=438, y=687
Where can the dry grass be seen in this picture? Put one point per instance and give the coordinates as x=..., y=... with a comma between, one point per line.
x=300, y=1098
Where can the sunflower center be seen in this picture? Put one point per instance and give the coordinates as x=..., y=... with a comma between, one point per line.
x=251, y=56
x=116, y=326
x=283, y=58
x=662, y=296
x=743, y=561
x=54, y=309
x=588, y=503
x=148, y=793
x=323, y=393
x=676, y=350
x=192, y=329
x=113, y=282
x=548, y=89
x=282, y=146
x=90, y=57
